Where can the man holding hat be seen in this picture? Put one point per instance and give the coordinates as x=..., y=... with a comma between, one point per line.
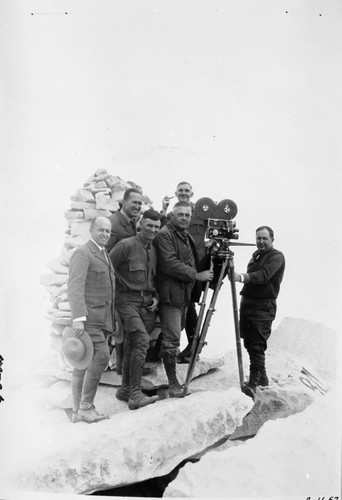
x=91, y=289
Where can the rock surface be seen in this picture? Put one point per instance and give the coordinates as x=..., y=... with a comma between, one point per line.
x=292, y=458
x=151, y=442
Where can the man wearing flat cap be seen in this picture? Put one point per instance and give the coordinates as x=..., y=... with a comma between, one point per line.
x=91, y=288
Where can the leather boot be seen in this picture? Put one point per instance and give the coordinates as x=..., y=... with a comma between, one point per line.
x=119, y=348
x=254, y=380
x=185, y=355
x=175, y=390
x=264, y=382
x=123, y=392
x=136, y=398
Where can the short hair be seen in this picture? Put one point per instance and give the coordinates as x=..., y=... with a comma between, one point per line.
x=128, y=192
x=183, y=182
x=151, y=214
x=182, y=204
x=268, y=229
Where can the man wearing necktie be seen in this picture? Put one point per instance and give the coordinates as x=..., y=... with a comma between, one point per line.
x=91, y=288
x=135, y=263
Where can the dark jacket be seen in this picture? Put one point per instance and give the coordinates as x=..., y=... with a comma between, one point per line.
x=197, y=230
x=176, y=276
x=121, y=228
x=265, y=272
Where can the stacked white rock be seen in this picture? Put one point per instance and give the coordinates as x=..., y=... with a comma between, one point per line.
x=100, y=195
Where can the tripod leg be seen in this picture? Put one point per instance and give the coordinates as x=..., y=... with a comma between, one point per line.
x=236, y=320
x=199, y=341
x=202, y=307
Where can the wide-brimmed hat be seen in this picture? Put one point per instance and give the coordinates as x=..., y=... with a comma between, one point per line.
x=78, y=351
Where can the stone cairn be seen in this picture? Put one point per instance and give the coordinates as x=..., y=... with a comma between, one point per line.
x=100, y=196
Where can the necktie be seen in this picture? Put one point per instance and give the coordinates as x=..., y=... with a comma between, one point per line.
x=105, y=255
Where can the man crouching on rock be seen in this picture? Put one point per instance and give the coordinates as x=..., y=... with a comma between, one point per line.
x=177, y=274
x=135, y=263
x=91, y=288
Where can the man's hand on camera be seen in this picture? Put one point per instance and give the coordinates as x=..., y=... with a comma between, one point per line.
x=205, y=276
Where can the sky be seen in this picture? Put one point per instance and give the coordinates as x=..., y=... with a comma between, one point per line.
x=240, y=98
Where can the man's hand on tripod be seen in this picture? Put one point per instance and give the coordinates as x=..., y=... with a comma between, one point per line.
x=237, y=277
x=205, y=275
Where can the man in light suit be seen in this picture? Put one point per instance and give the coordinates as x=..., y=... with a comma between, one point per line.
x=91, y=288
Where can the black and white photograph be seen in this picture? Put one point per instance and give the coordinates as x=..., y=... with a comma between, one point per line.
x=171, y=257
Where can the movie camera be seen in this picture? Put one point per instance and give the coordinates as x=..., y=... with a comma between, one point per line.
x=221, y=229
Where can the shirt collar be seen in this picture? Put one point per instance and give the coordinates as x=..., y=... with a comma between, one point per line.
x=122, y=212
x=145, y=245
x=98, y=246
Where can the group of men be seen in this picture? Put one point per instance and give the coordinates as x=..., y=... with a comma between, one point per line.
x=137, y=274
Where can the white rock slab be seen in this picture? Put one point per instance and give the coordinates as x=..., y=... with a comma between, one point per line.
x=82, y=458
x=80, y=229
x=289, y=458
x=83, y=195
x=81, y=205
x=91, y=213
x=316, y=342
x=56, y=266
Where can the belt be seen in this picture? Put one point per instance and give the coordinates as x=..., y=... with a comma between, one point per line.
x=142, y=293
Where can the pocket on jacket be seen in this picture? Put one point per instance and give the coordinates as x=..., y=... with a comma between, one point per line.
x=97, y=277
x=96, y=312
x=138, y=271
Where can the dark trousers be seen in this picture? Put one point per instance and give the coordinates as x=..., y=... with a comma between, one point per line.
x=256, y=317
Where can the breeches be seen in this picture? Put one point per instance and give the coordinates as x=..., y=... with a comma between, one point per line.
x=138, y=322
x=256, y=317
x=172, y=319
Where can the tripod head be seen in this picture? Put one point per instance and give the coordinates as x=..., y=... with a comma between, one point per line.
x=221, y=229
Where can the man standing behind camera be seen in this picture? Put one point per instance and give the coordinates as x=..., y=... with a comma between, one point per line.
x=177, y=274
x=258, y=305
x=135, y=263
x=197, y=229
x=91, y=289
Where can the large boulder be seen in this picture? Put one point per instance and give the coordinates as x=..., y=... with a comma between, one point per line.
x=294, y=457
x=82, y=458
